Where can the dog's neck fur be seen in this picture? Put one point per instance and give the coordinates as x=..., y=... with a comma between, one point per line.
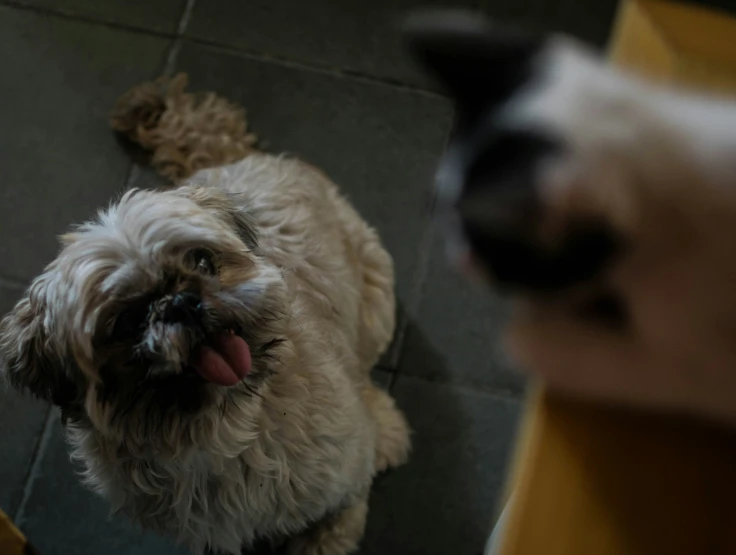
x=239, y=474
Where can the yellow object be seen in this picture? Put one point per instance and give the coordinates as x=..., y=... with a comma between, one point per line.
x=677, y=43
x=593, y=481
x=12, y=541
x=602, y=482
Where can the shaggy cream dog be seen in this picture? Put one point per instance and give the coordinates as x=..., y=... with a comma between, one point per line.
x=210, y=346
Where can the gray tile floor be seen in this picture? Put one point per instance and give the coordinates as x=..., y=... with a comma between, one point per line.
x=325, y=79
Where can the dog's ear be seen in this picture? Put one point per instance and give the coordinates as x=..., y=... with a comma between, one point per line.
x=477, y=63
x=223, y=204
x=30, y=358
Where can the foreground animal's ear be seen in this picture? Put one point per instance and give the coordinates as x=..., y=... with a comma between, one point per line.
x=478, y=64
x=28, y=356
x=224, y=205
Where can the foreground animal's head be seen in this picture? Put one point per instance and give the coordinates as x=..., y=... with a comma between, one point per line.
x=151, y=318
x=561, y=164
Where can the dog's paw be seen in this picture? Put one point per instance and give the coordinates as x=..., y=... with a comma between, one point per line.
x=393, y=436
x=336, y=535
x=542, y=180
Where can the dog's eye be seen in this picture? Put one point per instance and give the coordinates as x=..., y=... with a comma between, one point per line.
x=129, y=322
x=203, y=261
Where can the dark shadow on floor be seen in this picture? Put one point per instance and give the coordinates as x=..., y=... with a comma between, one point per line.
x=444, y=500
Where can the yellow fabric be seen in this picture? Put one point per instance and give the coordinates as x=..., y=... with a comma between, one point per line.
x=12, y=541
x=677, y=43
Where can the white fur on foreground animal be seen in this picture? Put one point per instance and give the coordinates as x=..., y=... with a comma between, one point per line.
x=604, y=204
x=210, y=347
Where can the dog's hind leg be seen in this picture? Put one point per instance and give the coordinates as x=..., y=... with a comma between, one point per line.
x=378, y=302
x=376, y=329
x=335, y=535
x=393, y=441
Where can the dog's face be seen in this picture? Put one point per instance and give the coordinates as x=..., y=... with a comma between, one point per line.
x=150, y=318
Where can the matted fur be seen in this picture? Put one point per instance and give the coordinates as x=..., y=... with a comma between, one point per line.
x=290, y=450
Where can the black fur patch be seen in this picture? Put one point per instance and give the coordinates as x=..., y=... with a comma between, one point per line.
x=477, y=64
x=501, y=210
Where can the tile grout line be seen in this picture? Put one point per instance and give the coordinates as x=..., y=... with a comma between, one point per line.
x=61, y=13
x=168, y=68
x=35, y=468
x=424, y=258
x=342, y=73
x=312, y=67
x=186, y=16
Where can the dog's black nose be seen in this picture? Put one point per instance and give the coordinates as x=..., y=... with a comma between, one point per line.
x=184, y=308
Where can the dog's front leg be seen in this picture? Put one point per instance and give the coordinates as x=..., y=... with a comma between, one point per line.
x=338, y=534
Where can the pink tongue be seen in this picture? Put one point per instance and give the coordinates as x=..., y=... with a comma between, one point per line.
x=226, y=362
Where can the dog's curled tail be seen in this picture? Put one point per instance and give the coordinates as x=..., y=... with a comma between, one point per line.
x=183, y=132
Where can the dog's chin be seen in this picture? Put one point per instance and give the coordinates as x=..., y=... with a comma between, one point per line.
x=186, y=393
x=221, y=358
x=162, y=405
x=168, y=411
